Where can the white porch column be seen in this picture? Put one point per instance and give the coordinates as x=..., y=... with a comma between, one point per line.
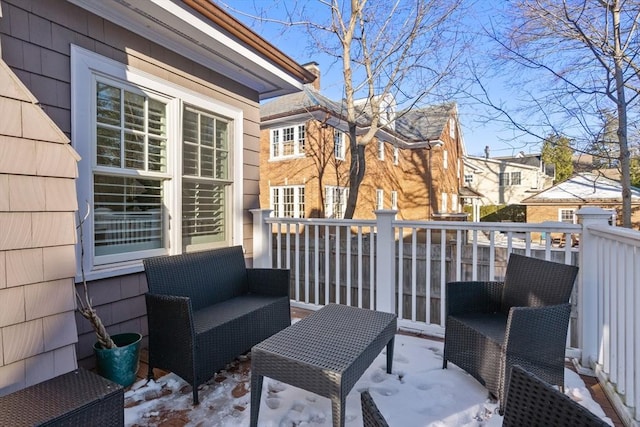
x=385, y=261
x=261, y=238
x=588, y=284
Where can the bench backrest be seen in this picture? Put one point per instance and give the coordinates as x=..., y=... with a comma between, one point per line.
x=207, y=277
x=532, y=282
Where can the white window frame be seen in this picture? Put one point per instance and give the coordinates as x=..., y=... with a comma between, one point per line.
x=339, y=146
x=504, y=179
x=297, y=212
x=396, y=156
x=299, y=141
x=561, y=213
x=445, y=159
x=452, y=128
x=379, y=199
x=380, y=149
x=330, y=203
x=444, y=197
x=394, y=200
x=454, y=203
x=86, y=66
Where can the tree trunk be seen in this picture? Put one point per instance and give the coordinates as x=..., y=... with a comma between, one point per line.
x=622, y=118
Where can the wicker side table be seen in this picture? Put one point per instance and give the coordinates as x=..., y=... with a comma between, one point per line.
x=77, y=398
x=325, y=353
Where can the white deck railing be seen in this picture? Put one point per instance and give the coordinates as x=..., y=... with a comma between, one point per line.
x=403, y=266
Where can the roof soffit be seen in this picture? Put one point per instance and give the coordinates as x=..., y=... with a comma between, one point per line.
x=180, y=28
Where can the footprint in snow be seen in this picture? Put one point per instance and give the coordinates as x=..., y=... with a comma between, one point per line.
x=385, y=391
x=272, y=402
x=378, y=376
x=276, y=387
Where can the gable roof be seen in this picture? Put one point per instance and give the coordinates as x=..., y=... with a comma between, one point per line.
x=412, y=127
x=203, y=32
x=584, y=187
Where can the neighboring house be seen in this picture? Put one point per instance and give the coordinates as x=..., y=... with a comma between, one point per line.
x=413, y=165
x=506, y=180
x=161, y=101
x=560, y=202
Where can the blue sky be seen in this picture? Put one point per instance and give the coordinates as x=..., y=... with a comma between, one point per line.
x=294, y=41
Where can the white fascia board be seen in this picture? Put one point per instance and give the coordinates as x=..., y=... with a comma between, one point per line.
x=178, y=28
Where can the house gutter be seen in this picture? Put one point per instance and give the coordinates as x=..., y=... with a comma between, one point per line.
x=241, y=32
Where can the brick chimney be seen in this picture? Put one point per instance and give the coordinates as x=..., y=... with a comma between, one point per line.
x=315, y=69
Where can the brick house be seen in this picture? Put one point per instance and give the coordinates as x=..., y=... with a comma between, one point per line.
x=161, y=102
x=560, y=202
x=414, y=165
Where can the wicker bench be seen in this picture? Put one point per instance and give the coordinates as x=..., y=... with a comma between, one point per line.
x=206, y=308
x=78, y=398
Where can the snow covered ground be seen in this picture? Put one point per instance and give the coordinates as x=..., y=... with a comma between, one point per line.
x=418, y=393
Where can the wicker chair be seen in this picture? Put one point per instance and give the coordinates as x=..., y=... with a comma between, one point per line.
x=532, y=402
x=371, y=416
x=491, y=326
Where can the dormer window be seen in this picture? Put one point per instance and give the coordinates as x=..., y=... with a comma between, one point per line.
x=380, y=150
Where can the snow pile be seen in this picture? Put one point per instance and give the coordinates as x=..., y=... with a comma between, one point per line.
x=418, y=393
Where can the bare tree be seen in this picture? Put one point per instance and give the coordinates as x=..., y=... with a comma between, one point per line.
x=581, y=57
x=391, y=53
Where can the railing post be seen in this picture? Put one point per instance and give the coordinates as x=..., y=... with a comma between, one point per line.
x=385, y=261
x=261, y=238
x=588, y=284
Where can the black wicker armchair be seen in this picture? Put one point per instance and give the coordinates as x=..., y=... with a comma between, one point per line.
x=206, y=308
x=532, y=402
x=491, y=326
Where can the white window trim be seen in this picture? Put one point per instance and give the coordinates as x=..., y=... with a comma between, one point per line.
x=394, y=200
x=85, y=65
x=396, y=156
x=343, y=146
x=445, y=159
x=329, y=200
x=379, y=199
x=444, y=203
x=296, y=139
x=296, y=196
x=573, y=213
x=380, y=149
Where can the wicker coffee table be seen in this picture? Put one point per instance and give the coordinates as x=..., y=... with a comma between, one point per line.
x=325, y=353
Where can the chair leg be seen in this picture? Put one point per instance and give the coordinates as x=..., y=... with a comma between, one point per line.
x=195, y=395
x=150, y=373
x=444, y=363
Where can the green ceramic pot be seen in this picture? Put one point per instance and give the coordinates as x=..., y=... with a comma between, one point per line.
x=119, y=364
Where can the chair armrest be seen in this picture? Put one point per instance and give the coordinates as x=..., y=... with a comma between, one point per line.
x=473, y=297
x=169, y=317
x=268, y=281
x=539, y=333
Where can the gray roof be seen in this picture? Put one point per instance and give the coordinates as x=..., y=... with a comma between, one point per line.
x=424, y=124
x=414, y=125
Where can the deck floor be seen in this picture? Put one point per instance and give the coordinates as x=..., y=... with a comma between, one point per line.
x=176, y=419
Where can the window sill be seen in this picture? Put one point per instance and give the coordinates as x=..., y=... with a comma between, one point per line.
x=105, y=272
x=294, y=157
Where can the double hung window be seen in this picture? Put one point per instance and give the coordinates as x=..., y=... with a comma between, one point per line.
x=339, y=146
x=158, y=172
x=335, y=201
x=288, y=201
x=288, y=141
